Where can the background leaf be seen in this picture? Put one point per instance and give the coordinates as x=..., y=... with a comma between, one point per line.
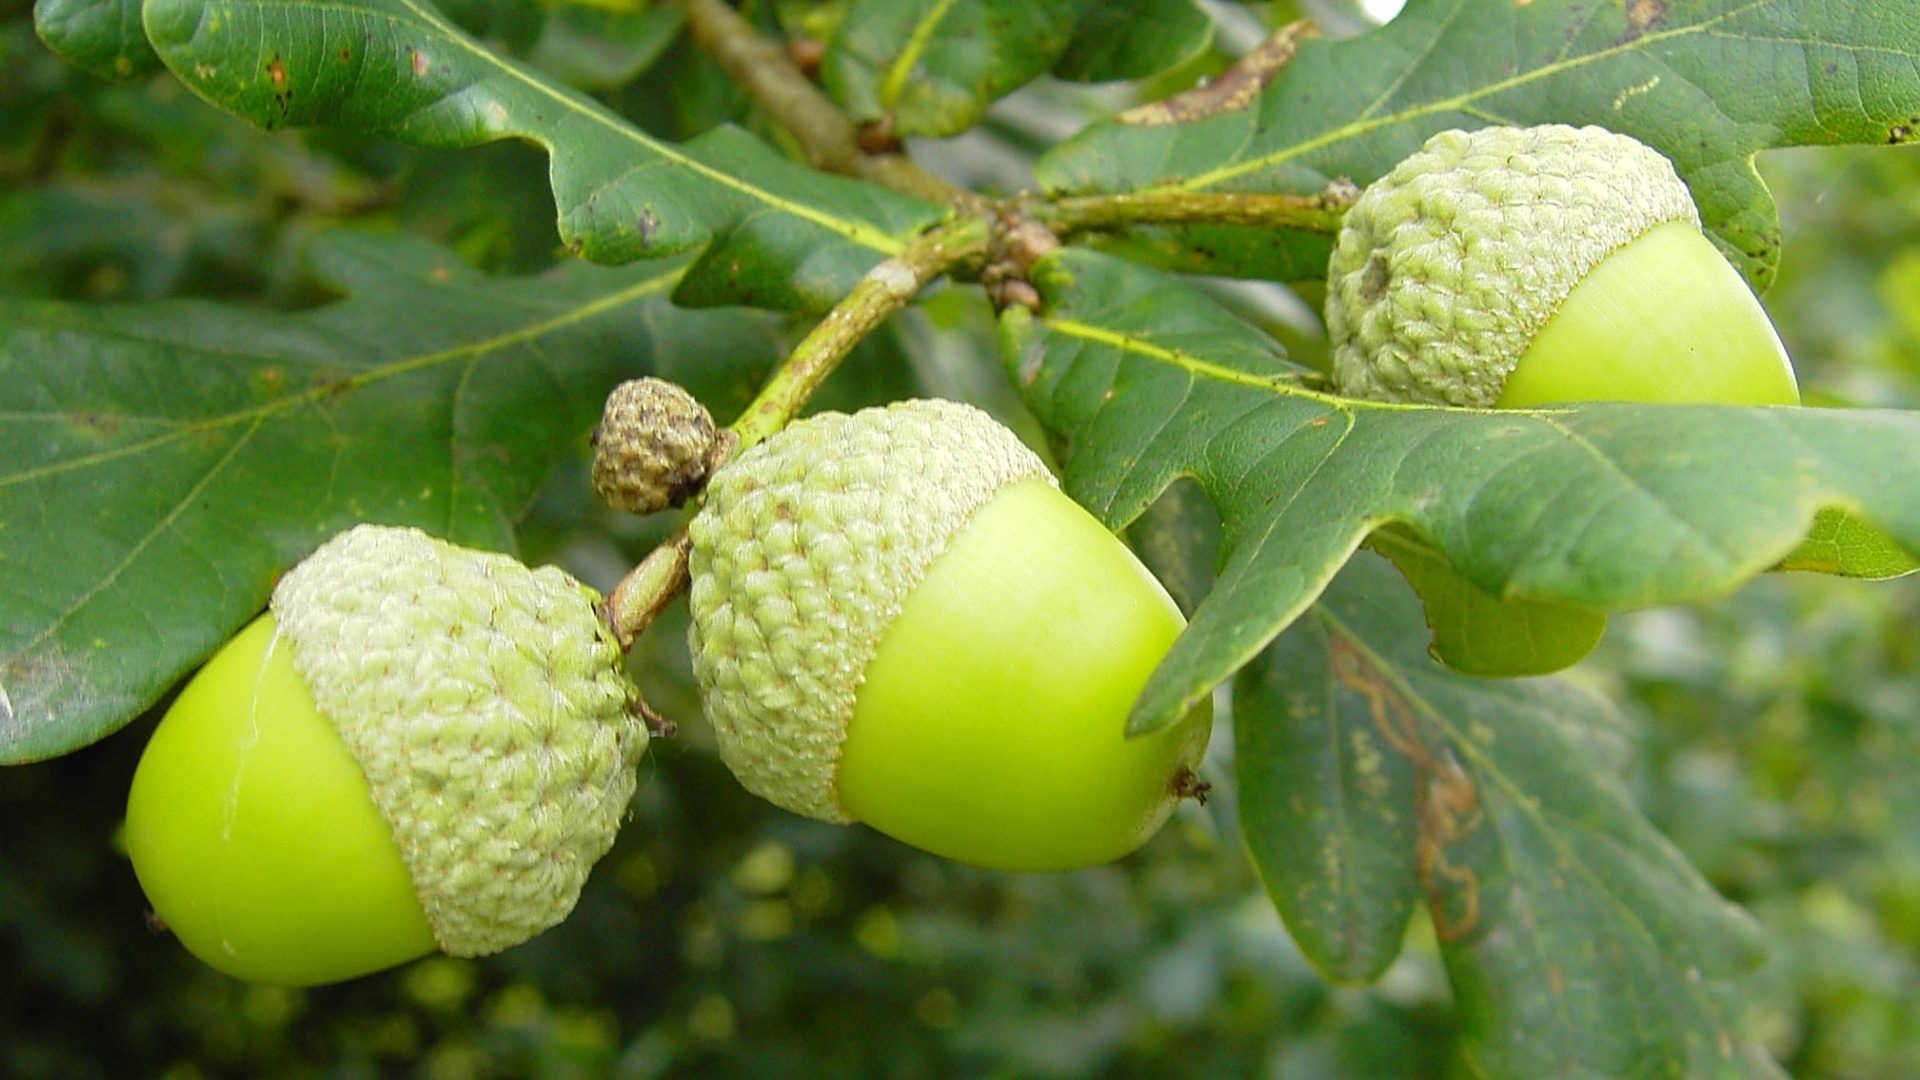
x=591, y=46
x=103, y=36
x=1600, y=506
x=933, y=67
x=1708, y=84
x=1580, y=942
x=164, y=462
x=398, y=69
x=1134, y=41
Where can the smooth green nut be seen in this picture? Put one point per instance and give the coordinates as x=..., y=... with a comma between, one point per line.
x=419, y=746
x=899, y=619
x=1512, y=267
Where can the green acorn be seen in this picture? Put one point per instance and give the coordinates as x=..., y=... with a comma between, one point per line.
x=1511, y=267
x=418, y=746
x=899, y=619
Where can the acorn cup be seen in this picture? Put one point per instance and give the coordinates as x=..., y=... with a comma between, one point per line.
x=418, y=746
x=1513, y=267
x=899, y=619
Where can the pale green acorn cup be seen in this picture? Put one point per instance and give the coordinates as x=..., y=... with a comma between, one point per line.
x=419, y=746
x=899, y=619
x=1512, y=267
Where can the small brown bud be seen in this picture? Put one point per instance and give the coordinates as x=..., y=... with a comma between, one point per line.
x=806, y=54
x=876, y=137
x=654, y=446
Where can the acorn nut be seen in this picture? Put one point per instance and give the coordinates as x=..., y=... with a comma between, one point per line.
x=417, y=746
x=899, y=619
x=1513, y=267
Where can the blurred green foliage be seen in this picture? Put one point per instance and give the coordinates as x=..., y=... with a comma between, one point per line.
x=724, y=938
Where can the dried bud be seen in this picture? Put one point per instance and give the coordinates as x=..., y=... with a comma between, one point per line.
x=654, y=447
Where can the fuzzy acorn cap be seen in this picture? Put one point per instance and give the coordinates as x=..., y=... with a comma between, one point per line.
x=1447, y=267
x=807, y=548
x=488, y=706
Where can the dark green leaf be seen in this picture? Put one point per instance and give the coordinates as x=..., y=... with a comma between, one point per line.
x=1134, y=40
x=1178, y=537
x=595, y=47
x=103, y=36
x=933, y=66
x=1579, y=941
x=164, y=462
x=397, y=69
x=1602, y=506
x=1709, y=84
x=1326, y=800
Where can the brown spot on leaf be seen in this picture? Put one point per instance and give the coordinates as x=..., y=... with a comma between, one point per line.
x=330, y=389
x=420, y=62
x=1446, y=802
x=1642, y=16
x=1236, y=88
x=102, y=424
x=1903, y=133
x=277, y=72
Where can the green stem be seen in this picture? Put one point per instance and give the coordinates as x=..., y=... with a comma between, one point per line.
x=1091, y=213
x=884, y=290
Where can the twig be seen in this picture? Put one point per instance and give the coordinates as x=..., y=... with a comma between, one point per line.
x=1321, y=212
x=884, y=290
x=767, y=73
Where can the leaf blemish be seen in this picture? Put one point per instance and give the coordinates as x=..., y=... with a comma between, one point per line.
x=1643, y=15
x=1632, y=92
x=420, y=62
x=101, y=424
x=1233, y=89
x=277, y=72
x=1446, y=800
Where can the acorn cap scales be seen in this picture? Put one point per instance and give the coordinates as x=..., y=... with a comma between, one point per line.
x=487, y=704
x=1447, y=267
x=807, y=548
